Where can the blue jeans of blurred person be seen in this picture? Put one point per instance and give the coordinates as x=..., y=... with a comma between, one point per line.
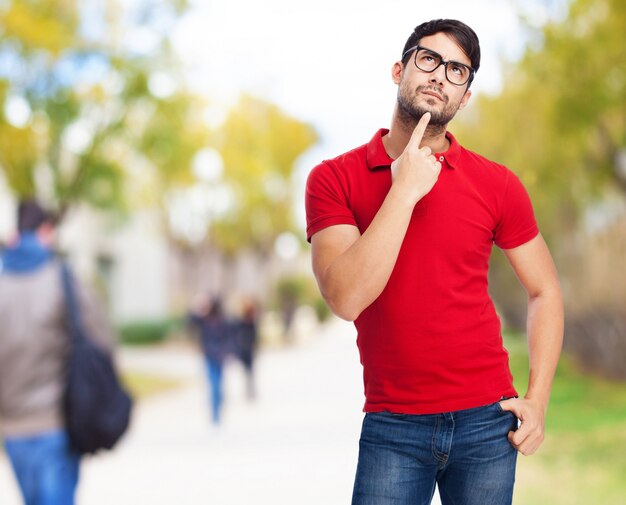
x=45, y=467
x=465, y=453
x=215, y=373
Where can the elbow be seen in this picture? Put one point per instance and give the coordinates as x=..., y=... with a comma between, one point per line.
x=342, y=308
x=341, y=297
x=551, y=294
x=346, y=315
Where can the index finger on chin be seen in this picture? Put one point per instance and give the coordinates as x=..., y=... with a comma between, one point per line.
x=420, y=128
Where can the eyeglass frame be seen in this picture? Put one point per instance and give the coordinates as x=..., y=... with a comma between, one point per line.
x=441, y=62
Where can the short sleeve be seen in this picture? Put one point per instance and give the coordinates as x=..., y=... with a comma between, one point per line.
x=517, y=223
x=326, y=201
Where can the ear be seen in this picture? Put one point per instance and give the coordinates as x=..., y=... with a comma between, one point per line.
x=465, y=99
x=46, y=234
x=396, y=72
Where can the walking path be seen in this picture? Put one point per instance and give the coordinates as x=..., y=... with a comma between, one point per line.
x=297, y=443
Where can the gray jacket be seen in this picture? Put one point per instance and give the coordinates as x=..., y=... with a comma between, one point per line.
x=34, y=343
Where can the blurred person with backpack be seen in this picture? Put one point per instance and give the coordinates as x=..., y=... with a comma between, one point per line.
x=34, y=345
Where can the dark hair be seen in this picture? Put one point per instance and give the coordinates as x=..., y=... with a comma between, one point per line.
x=460, y=32
x=31, y=215
x=216, y=309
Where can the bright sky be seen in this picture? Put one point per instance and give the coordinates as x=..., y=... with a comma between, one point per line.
x=328, y=62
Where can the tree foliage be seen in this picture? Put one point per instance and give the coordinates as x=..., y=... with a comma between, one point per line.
x=82, y=115
x=259, y=144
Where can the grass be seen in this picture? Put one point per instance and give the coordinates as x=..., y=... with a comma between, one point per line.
x=142, y=384
x=582, y=460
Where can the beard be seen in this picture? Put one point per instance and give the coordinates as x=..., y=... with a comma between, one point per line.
x=411, y=112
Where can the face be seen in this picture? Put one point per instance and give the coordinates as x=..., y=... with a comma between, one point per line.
x=420, y=92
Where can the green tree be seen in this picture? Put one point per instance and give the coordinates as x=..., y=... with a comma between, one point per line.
x=259, y=144
x=84, y=115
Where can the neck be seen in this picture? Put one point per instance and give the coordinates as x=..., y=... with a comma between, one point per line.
x=402, y=126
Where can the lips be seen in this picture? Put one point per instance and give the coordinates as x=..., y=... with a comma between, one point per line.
x=433, y=94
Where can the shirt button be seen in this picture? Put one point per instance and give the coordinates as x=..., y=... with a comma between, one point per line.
x=441, y=159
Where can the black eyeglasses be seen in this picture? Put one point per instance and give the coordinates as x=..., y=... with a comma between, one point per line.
x=428, y=60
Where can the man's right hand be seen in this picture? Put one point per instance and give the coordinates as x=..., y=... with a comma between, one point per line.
x=416, y=170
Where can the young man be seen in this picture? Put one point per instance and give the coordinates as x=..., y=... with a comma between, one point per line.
x=401, y=231
x=34, y=342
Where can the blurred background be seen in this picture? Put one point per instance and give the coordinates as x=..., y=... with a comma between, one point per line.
x=174, y=137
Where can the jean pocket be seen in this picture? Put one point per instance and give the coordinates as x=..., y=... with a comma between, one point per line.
x=499, y=407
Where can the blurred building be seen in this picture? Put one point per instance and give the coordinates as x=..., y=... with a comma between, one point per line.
x=146, y=276
x=127, y=264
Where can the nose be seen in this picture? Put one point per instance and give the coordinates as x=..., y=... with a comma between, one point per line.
x=438, y=75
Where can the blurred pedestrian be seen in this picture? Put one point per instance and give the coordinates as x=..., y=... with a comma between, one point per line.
x=246, y=341
x=216, y=339
x=34, y=344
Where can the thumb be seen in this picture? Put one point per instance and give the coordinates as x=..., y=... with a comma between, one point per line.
x=508, y=405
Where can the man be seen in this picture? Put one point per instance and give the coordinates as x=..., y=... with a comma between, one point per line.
x=34, y=342
x=216, y=338
x=401, y=231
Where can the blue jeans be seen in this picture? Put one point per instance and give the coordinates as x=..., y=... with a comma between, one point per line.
x=45, y=467
x=215, y=373
x=466, y=453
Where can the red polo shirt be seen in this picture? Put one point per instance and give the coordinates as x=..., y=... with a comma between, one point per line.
x=431, y=342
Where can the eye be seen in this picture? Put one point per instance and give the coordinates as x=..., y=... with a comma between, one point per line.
x=427, y=60
x=457, y=69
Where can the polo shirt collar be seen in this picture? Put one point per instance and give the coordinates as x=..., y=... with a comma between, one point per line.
x=453, y=154
x=378, y=158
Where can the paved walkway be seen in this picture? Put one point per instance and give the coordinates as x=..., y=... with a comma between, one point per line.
x=296, y=443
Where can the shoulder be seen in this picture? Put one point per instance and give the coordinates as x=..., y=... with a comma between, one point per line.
x=483, y=164
x=487, y=172
x=340, y=165
x=46, y=274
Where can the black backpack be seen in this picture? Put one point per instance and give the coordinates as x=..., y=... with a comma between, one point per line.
x=96, y=406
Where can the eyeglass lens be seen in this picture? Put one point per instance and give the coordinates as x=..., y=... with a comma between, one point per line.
x=428, y=61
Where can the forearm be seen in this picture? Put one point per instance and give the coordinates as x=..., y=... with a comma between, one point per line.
x=545, y=340
x=357, y=276
x=353, y=269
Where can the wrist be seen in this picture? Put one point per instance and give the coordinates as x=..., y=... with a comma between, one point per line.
x=539, y=400
x=405, y=197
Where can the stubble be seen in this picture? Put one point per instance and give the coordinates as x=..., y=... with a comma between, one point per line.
x=410, y=112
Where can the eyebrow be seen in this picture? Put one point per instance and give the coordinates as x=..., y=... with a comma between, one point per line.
x=442, y=58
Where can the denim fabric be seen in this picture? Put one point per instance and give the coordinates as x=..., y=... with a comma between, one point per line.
x=215, y=373
x=465, y=453
x=45, y=468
